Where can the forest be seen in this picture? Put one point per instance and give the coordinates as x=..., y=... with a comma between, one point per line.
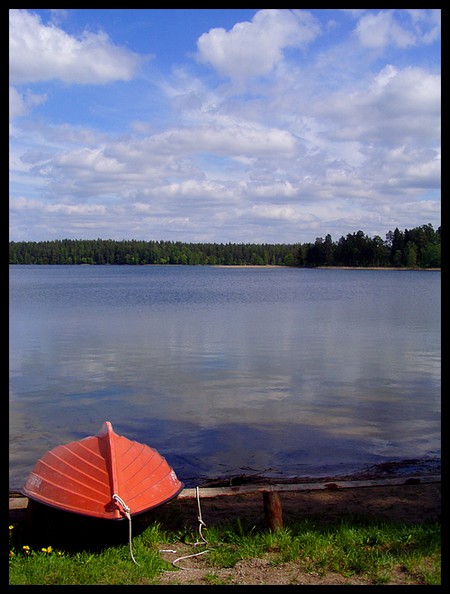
x=419, y=247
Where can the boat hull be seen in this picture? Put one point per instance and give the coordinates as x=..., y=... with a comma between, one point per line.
x=104, y=476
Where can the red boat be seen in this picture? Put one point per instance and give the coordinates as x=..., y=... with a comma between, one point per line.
x=106, y=476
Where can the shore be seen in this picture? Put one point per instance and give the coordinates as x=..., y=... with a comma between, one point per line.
x=415, y=499
x=315, y=267
x=412, y=503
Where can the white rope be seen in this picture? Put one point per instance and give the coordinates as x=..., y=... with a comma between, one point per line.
x=199, y=517
x=187, y=557
x=126, y=511
x=201, y=524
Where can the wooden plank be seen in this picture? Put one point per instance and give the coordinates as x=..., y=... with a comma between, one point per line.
x=18, y=502
x=206, y=492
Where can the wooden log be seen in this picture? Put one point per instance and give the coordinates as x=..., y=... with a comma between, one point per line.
x=273, y=512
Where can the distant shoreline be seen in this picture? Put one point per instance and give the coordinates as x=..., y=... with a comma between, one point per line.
x=373, y=268
x=249, y=266
x=313, y=267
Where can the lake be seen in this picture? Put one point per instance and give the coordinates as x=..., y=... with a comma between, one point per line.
x=226, y=371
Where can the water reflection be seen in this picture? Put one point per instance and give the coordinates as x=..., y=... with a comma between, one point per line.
x=280, y=371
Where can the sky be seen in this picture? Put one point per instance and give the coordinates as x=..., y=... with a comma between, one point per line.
x=223, y=125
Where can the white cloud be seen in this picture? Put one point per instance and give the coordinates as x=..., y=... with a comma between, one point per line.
x=426, y=23
x=378, y=30
x=398, y=106
x=276, y=190
x=20, y=104
x=39, y=52
x=319, y=144
x=255, y=48
x=17, y=106
x=411, y=90
x=94, y=161
x=233, y=140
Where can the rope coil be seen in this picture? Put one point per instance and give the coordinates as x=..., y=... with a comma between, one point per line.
x=201, y=523
x=126, y=511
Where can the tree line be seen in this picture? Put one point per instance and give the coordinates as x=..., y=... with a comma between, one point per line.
x=419, y=247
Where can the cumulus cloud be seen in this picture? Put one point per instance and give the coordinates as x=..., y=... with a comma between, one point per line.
x=397, y=106
x=39, y=52
x=377, y=30
x=255, y=48
x=319, y=142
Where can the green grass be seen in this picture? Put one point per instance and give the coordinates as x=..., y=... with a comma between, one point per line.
x=110, y=566
x=351, y=547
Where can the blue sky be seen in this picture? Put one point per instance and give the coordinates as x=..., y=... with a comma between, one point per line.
x=223, y=125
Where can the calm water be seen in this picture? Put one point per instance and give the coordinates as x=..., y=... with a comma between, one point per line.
x=227, y=371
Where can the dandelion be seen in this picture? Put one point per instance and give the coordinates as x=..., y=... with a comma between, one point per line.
x=26, y=549
x=11, y=527
x=47, y=550
x=11, y=554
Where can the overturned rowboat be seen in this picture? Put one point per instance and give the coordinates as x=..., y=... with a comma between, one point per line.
x=106, y=476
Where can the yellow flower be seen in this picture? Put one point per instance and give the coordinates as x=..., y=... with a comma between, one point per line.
x=11, y=527
x=11, y=553
x=47, y=550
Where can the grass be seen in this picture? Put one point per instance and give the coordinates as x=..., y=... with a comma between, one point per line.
x=360, y=547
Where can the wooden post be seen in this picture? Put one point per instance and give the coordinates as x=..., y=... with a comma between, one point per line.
x=273, y=511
